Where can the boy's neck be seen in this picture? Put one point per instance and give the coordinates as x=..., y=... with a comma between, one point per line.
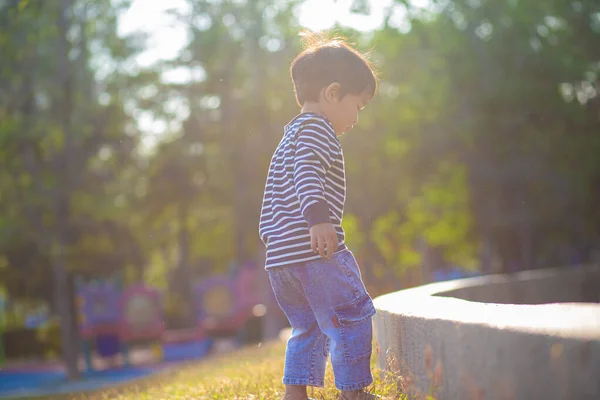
x=312, y=107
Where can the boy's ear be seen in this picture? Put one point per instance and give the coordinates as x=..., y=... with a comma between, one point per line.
x=332, y=91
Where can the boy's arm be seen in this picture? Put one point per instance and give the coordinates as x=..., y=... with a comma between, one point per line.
x=316, y=149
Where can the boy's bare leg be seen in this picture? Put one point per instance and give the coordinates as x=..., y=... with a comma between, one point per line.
x=295, y=392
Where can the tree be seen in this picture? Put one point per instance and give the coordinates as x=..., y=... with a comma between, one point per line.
x=59, y=137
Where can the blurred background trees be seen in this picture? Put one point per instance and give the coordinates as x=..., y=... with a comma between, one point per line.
x=481, y=149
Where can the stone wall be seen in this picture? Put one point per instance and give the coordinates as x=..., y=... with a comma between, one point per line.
x=531, y=335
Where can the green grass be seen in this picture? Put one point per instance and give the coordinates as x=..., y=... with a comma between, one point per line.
x=250, y=373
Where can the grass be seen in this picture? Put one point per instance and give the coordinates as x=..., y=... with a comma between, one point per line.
x=250, y=373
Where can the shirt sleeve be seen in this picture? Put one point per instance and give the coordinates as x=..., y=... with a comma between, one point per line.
x=317, y=147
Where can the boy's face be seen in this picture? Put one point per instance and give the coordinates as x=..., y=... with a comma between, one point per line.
x=343, y=113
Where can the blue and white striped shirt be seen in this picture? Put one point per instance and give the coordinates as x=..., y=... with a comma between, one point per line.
x=306, y=186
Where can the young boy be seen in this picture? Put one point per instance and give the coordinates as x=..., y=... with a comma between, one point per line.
x=315, y=278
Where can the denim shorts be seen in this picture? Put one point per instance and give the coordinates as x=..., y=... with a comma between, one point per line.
x=330, y=312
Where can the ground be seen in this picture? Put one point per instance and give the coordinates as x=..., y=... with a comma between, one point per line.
x=249, y=373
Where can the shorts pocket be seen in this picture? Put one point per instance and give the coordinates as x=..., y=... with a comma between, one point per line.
x=356, y=330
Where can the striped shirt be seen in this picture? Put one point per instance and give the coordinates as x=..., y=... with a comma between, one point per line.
x=306, y=186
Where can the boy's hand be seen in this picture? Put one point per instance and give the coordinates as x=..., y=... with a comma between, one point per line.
x=323, y=236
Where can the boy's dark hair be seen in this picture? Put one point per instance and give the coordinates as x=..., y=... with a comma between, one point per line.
x=327, y=60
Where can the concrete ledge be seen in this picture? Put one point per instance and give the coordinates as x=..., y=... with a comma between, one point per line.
x=464, y=349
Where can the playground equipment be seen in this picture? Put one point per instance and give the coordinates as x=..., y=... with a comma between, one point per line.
x=142, y=317
x=110, y=319
x=224, y=303
x=217, y=305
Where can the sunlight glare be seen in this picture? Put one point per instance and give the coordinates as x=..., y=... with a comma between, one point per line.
x=167, y=36
x=324, y=14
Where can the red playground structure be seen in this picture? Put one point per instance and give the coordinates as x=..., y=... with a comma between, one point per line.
x=110, y=320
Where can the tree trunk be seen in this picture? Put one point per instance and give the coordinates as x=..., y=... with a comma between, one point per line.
x=183, y=278
x=59, y=261
x=183, y=236
x=63, y=306
x=233, y=153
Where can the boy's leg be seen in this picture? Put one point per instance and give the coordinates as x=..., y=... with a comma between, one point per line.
x=343, y=308
x=306, y=351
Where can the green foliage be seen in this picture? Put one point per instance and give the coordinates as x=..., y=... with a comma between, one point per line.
x=483, y=135
x=40, y=171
